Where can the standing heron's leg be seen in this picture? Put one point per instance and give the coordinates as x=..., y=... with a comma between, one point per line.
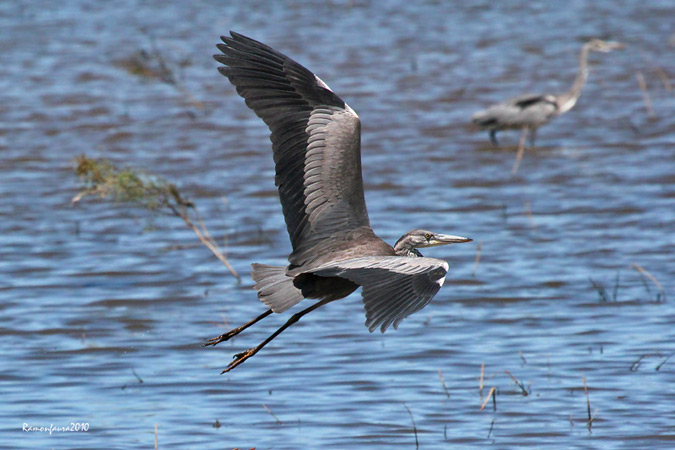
x=521, y=150
x=232, y=333
x=493, y=138
x=533, y=136
x=239, y=358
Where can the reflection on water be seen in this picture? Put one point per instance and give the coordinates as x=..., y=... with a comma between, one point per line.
x=103, y=313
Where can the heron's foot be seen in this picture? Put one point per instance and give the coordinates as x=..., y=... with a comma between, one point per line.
x=239, y=358
x=218, y=339
x=224, y=337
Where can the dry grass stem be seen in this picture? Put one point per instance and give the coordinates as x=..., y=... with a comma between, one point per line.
x=492, y=394
x=492, y=424
x=269, y=411
x=615, y=293
x=522, y=356
x=225, y=322
x=102, y=179
x=445, y=388
x=664, y=78
x=653, y=280
x=203, y=234
x=600, y=288
x=528, y=213
x=637, y=363
x=518, y=383
x=480, y=380
x=479, y=248
x=645, y=93
x=657, y=368
x=588, y=404
x=156, y=437
x=417, y=442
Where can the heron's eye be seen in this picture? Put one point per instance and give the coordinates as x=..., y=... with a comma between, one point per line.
x=428, y=237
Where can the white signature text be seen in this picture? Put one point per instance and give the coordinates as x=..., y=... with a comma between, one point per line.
x=51, y=428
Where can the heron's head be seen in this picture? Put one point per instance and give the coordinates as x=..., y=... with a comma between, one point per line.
x=598, y=45
x=424, y=238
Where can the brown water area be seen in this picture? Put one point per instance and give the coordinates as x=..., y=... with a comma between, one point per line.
x=563, y=303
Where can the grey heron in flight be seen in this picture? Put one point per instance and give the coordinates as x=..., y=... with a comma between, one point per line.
x=316, y=144
x=530, y=111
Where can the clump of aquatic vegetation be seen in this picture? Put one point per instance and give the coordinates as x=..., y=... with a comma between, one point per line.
x=102, y=179
x=607, y=296
x=152, y=64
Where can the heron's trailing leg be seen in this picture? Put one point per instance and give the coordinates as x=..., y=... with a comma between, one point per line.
x=232, y=333
x=493, y=138
x=239, y=358
x=521, y=150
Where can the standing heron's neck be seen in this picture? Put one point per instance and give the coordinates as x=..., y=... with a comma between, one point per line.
x=567, y=100
x=404, y=247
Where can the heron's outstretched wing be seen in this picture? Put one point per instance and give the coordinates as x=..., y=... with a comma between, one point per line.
x=393, y=286
x=316, y=138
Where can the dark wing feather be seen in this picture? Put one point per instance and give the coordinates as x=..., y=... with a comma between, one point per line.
x=527, y=100
x=315, y=137
x=394, y=287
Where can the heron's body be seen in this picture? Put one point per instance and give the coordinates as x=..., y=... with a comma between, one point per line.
x=316, y=141
x=530, y=111
x=281, y=287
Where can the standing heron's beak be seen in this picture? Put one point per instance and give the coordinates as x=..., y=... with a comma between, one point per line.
x=613, y=45
x=445, y=239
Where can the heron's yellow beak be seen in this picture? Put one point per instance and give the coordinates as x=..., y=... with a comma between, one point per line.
x=445, y=239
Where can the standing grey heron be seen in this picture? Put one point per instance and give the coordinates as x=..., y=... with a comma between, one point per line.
x=317, y=151
x=530, y=111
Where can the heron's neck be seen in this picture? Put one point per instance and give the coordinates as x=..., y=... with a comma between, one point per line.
x=409, y=252
x=567, y=100
x=404, y=247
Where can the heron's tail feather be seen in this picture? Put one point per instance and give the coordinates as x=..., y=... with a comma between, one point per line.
x=275, y=289
x=483, y=119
